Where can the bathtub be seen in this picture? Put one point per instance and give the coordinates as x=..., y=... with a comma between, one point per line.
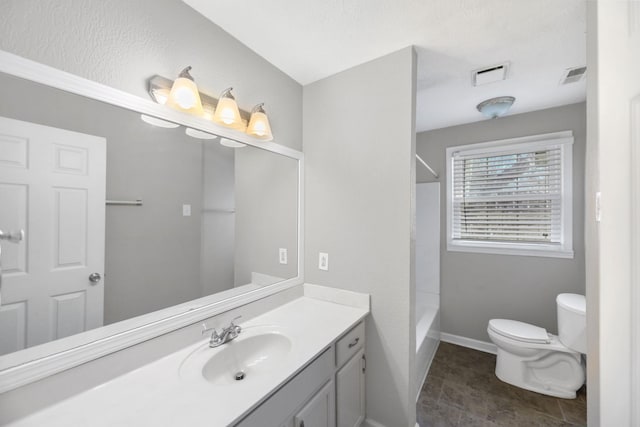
x=427, y=334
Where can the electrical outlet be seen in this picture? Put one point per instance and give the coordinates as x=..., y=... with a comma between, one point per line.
x=186, y=210
x=283, y=255
x=323, y=261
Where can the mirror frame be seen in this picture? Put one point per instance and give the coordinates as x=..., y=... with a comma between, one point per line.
x=18, y=369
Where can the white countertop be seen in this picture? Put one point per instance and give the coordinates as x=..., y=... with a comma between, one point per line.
x=157, y=395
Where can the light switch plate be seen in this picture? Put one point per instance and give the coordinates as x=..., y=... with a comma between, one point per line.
x=323, y=261
x=186, y=210
x=283, y=255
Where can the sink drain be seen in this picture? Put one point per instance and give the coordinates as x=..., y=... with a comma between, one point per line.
x=239, y=376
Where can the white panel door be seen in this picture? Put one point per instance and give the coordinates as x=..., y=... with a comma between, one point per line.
x=52, y=186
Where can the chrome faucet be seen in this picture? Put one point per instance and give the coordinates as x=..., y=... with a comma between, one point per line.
x=227, y=334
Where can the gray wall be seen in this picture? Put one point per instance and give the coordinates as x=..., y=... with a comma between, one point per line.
x=266, y=215
x=123, y=43
x=218, y=219
x=478, y=287
x=359, y=143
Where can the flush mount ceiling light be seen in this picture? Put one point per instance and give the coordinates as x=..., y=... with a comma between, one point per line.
x=496, y=107
x=184, y=95
x=259, y=124
x=227, y=113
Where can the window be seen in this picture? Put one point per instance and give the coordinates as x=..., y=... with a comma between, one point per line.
x=511, y=197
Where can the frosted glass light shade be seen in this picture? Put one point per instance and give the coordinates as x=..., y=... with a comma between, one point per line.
x=160, y=95
x=496, y=107
x=259, y=126
x=227, y=113
x=184, y=95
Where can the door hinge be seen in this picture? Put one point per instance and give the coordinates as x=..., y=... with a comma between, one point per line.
x=364, y=364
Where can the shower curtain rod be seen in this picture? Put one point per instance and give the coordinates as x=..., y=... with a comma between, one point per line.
x=427, y=166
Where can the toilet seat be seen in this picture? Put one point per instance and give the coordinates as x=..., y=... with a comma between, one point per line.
x=519, y=331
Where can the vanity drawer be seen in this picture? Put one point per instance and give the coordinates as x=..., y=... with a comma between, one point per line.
x=349, y=344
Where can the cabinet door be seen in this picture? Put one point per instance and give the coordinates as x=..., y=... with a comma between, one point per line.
x=350, y=405
x=320, y=411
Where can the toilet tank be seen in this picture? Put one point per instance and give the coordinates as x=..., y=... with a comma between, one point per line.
x=572, y=321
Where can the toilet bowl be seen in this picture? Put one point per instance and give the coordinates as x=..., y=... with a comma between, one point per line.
x=531, y=358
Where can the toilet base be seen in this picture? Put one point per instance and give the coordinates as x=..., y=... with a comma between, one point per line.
x=553, y=373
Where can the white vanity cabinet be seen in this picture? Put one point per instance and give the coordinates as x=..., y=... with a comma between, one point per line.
x=328, y=392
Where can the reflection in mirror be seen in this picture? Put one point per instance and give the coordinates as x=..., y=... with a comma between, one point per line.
x=123, y=218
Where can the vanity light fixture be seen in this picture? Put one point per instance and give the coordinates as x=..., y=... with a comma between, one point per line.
x=184, y=95
x=227, y=113
x=259, y=124
x=496, y=107
x=223, y=111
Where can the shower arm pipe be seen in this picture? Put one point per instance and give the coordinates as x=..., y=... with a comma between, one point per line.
x=427, y=166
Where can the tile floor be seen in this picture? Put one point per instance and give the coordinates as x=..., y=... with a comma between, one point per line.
x=462, y=390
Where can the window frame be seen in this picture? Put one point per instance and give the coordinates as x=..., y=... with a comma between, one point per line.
x=564, y=140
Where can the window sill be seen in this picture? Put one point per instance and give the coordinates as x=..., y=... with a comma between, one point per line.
x=496, y=249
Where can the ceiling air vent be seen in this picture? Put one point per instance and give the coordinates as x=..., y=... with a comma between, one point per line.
x=573, y=75
x=492, y=74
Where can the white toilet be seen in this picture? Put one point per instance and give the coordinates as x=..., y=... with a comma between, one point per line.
x=531, y=358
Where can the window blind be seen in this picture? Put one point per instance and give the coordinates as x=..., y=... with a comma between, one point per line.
x=510, y=196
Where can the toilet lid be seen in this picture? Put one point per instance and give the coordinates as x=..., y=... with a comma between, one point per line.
x=519, y=331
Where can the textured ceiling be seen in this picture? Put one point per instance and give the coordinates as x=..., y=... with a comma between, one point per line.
x=313, y=39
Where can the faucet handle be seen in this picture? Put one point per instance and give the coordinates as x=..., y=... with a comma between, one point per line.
x=206, y=329
x=235, y=328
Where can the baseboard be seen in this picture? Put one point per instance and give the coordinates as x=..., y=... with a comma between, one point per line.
x=487, y=347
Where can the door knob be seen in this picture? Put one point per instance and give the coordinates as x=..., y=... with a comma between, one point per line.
x=95, y=277
x=14, y=236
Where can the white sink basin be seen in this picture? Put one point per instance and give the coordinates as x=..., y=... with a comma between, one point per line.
x=252, y=356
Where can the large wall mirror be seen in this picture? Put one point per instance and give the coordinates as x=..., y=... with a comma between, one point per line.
x=126, y=223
